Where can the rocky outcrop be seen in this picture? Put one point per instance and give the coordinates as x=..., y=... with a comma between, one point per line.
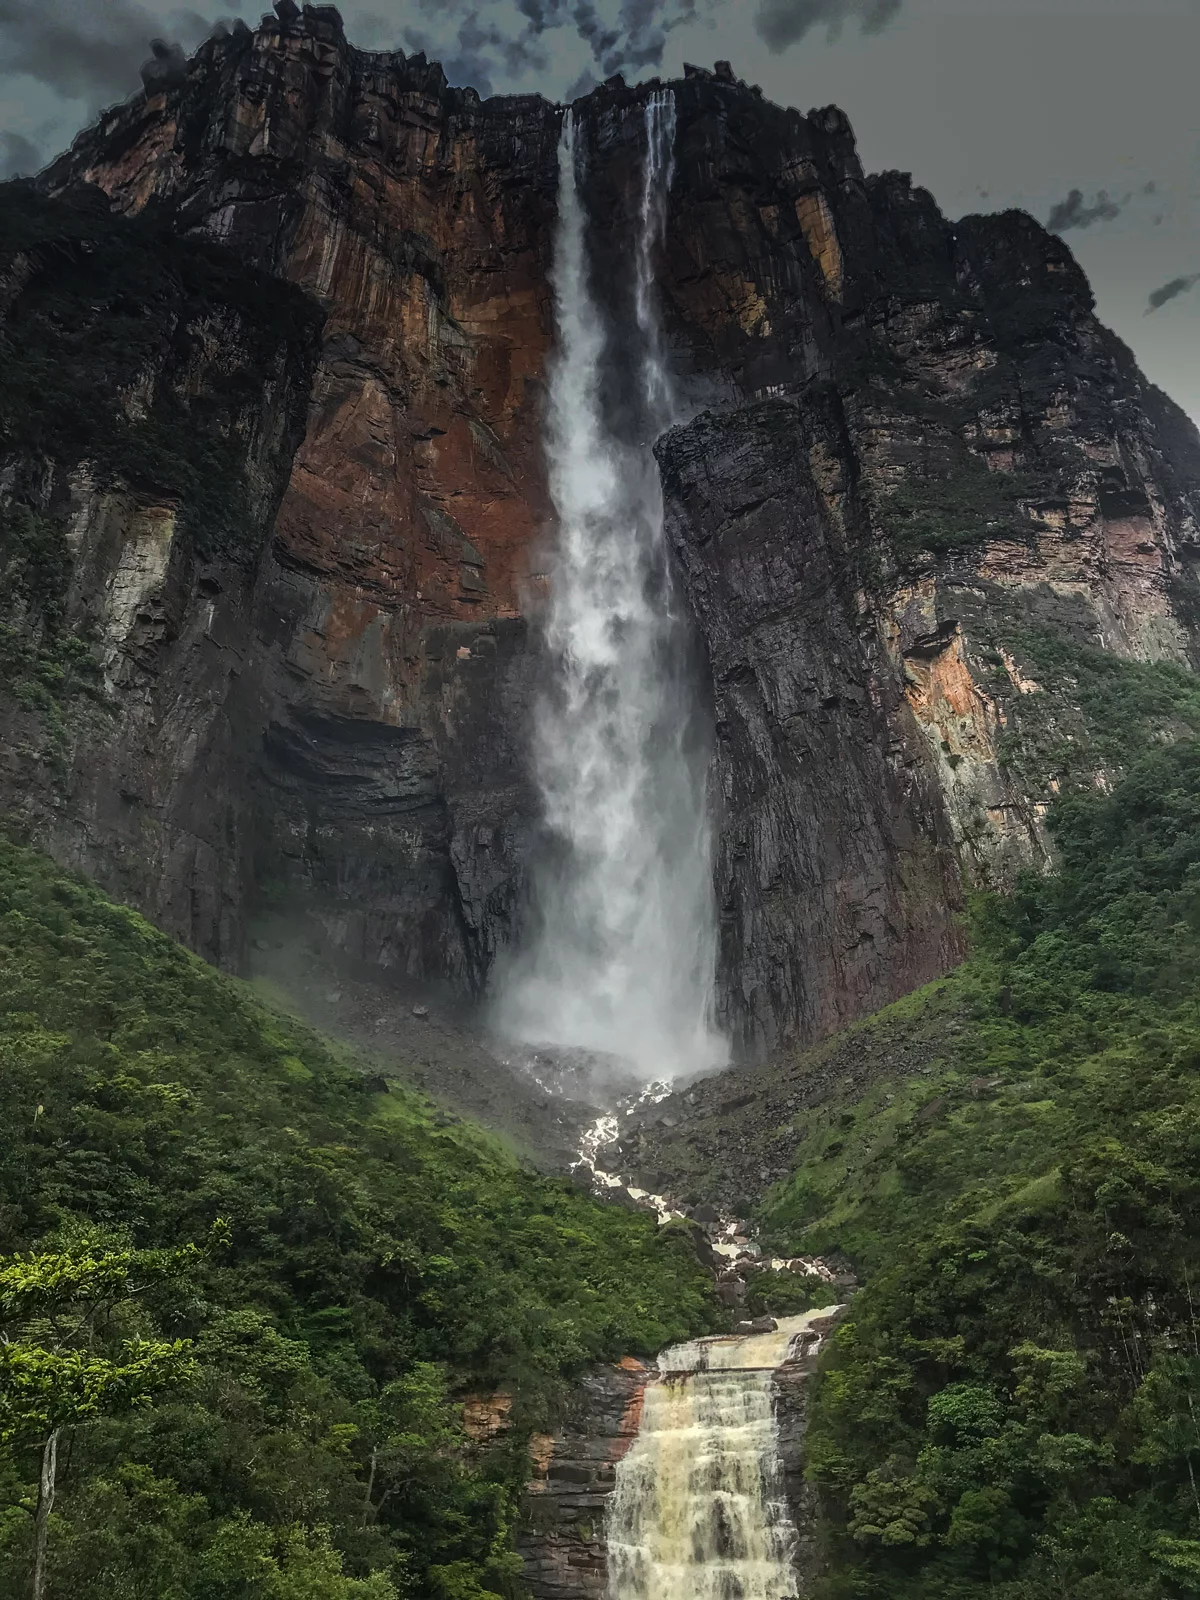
x=562, y=1540
x=791, y=1386
x=969, y=464
x=912, y=449
x=151, y=400
x=833, y=819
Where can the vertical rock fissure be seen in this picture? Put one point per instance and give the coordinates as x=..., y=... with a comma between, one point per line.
x=619, y=956
x=698, y=1510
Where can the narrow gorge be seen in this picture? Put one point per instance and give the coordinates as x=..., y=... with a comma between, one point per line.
x=598, y=925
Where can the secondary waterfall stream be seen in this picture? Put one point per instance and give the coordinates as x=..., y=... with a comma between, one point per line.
x=698, y=1510
x=620, y=956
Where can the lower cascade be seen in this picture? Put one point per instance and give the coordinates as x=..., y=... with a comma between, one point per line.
x=698, y=1510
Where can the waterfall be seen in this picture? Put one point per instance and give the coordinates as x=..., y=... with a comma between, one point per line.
x=698, y=1511
x=620, y=956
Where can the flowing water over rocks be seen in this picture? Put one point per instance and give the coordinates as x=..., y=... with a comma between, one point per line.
x=699, y=1510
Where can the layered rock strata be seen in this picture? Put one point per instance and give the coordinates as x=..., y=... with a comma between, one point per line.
x=912, y=448
x=151, y=399
x=562, y=1541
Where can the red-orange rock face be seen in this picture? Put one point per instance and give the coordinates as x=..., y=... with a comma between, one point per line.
x=419, y=222
x=405, y=545
x=911, y=444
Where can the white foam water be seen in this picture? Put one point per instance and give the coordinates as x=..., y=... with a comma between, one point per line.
x=620, y=955
x=698, y=1511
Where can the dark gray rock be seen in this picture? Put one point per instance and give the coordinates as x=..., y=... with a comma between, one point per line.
x=831, y=821
x=562, y=1535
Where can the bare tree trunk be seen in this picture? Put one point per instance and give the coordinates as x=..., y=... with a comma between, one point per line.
x=368, y=1508
x=41, y=1521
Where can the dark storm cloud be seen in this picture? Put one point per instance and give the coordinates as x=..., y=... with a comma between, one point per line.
x=781, y=23
x=598, y=35
x=1074, y=211
x=19, y=157
x=166, y=65
x=91, y=52
x=472, y=49
x=1169, y=291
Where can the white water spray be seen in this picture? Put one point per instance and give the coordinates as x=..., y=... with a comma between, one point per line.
x=698, y=1510
x=622, y=958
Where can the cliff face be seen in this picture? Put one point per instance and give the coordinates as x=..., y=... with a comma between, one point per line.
x=574, y=1472
x=152, y=398
x=385, y=618
x=913, y=449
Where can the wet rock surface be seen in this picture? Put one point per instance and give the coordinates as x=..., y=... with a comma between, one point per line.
x=792, y=1396
x=562, y=1540
x=832, y=819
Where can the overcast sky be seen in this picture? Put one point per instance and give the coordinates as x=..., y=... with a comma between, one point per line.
x=1085, y=112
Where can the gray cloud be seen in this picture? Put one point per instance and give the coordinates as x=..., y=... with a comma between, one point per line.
x=473, y=48
x=1074, y=212
x=19, y=157
x=1169, y=291
x=781, y=23
x=92, y=52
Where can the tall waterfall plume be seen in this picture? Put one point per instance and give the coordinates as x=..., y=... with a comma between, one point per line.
x=620, y=959
x=698, y=1510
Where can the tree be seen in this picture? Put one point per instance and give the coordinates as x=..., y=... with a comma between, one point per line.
x=69, y=1352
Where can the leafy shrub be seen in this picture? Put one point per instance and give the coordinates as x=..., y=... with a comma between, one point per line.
x=940, y=513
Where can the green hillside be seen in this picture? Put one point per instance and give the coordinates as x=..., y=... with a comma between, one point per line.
x=1013, y=1408
x=256, y=1289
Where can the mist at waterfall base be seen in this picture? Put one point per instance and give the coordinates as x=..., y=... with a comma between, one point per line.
x=618, y=955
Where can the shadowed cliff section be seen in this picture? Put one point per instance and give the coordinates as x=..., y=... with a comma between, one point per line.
x=152, y=393
x=919, y=421
x=831, y=820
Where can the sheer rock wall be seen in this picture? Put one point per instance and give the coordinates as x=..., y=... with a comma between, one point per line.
x=910, y=443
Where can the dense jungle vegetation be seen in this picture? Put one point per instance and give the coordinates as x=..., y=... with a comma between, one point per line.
x=1012, y=1408
x=247, y=1288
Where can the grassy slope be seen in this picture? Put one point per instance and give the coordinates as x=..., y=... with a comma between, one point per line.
x=380, y=1253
